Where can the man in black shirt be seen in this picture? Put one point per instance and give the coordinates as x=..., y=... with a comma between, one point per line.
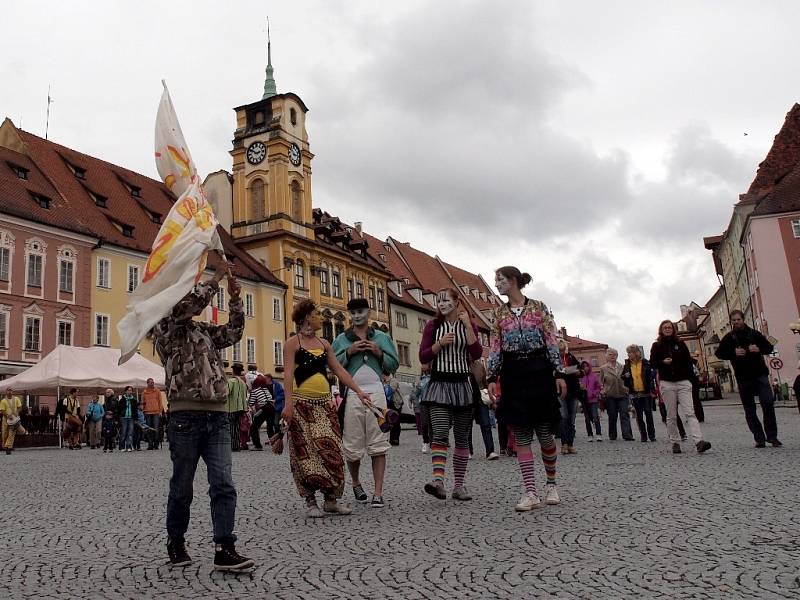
x=745, y=349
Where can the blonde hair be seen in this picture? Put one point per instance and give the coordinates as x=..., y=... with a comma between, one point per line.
x=633, y=348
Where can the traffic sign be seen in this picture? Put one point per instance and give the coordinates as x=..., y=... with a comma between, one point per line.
x=776, y=363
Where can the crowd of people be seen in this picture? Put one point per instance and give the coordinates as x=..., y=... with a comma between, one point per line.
x=531, y=386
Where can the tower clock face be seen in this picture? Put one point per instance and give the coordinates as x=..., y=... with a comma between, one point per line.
x=294, y=154
x=256, y=152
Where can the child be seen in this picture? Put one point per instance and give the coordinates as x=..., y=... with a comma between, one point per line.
x=109, y=432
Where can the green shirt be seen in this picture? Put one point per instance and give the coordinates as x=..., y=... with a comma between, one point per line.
x=388, y=361
x=237, y=395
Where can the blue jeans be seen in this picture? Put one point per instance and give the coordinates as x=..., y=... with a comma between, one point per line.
x=192, y=435
x=569, y=408
x=591, y=414
x=126, y=437
x=152, y=436
x=483, y=419
x=614, y=407
x=644, y=417
x=748, y=390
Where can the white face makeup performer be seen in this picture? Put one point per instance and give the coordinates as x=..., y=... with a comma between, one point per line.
x=502, y=283
x=445, y=303
x=359, y=316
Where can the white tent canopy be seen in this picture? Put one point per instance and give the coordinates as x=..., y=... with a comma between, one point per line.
x=88, y=369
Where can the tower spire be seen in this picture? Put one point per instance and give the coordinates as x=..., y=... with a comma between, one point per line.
x=270, y=88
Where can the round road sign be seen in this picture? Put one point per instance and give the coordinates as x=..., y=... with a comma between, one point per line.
x=776, y=363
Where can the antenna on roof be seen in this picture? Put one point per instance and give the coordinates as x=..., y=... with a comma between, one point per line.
x=49, y=102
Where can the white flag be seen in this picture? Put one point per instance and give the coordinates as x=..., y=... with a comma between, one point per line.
x=178, y=257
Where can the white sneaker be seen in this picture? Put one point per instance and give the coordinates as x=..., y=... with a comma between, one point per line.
x=426, y=448
x=591, y=438
x=598, y=437
x=493, y=456
x=470, y=456
x=551, y=494
x=529, y=501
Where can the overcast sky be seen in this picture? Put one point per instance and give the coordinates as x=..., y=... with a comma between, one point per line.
x=593, y=144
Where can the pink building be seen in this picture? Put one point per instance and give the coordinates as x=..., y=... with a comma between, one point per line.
x=771, y=241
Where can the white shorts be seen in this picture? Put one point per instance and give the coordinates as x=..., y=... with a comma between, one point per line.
x=361, y=432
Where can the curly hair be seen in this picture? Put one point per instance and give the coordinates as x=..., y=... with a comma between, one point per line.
x=302, y=309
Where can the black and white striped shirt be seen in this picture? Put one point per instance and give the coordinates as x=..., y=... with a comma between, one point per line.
x=258, y=398
x=454, y=358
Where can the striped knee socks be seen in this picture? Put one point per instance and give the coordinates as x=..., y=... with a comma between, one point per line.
x=460, y=462
x=438, y=460
x=525, y=460
x=549, y=455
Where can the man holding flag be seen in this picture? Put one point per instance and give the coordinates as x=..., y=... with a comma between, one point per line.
x=165, y=305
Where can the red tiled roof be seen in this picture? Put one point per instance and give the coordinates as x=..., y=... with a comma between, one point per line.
x=73, y=200
x=576, y=343
x=475, y=282
x=782, y=157
x=784, y=197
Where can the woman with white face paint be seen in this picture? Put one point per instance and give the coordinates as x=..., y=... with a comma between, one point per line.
x=525, y=357
x=449, y=343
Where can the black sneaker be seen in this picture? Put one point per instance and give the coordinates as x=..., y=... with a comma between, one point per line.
x=776, y=443
x=178, y=557
x=360, y=494
x=227, y=559
x=761, y=444
x=702, y=446
x=676, y=448
x=377, y=502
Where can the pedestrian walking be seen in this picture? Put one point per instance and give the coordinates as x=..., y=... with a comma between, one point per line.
x=615, y=395
x=263, y=408
x=449, y=343
x=569, y=403
x=420, y=413
x=671, y=357
x=482, y=410
x=151, y=401
x=370, y=356
x=237, y=405
x=94, y=418
x=524, y=355
x=129, y=413
x=637, y=377
x=591, y=388
x=11, y=411
x=395, y=400
x=314, y=433
x=73, y=424
x=275, y=389
x=197, y=390
x=745, y=348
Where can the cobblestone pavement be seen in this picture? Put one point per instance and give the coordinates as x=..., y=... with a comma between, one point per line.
x=635, y=522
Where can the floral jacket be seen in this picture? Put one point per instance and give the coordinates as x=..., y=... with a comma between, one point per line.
x=533, y=330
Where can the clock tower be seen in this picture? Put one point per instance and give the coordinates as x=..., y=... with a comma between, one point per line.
x=271, y=164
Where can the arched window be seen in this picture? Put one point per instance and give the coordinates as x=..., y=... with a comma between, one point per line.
x=297, y=201
x=257, y=206
x=293, y=116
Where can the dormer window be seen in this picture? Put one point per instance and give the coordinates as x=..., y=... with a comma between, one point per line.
x=79, y=172
x=20, y=172
x=41, y=200
x=127, y=231
x=136, y=192
x=99, y=199
x=154, y=217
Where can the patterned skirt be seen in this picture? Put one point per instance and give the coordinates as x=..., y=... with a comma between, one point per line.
x=455, y=394
x=315, y=447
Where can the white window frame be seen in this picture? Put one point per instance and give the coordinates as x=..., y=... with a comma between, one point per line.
x=135, y=280
x=103, y=268
x=71, y=324
x=381, y=300
x=277, y=352
x=35, y=247
x=62, y=264
x=7, y=243
x=401, y=319
x=223, y=353
x=5, y=313
x=237, y=352
x=220, y=299
x=404, y=354
x=359, y=290
x=372, y=297
x=336, y=283
x=351, y=288
x=107, y=331
x=277, y=310
x=300, y=274
x=249, y=305
x=422, y=322
x=25, y=319
x=250, y=350
x=796, y=228
x=324, y=282
x=67, y=255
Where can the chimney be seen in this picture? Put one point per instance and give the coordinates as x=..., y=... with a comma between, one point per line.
x=563, y=332
x=357, y=225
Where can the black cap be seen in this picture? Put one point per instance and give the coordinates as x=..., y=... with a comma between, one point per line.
x=357, y=303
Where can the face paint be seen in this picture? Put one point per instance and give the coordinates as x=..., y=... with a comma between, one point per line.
x=359, y=316
x=445, y=303
x=502, y=283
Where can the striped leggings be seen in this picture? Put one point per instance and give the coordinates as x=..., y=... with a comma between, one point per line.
x=547, y=442
x=442, y=418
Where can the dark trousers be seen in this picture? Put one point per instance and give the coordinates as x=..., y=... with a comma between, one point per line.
x=591, y=415
x=697, y=403
x=265, y=415
x=502, y=432
x=618, y=407
x=748, y=390
x=234, y=419
x=644, y=418
x=194, y=435
x=663, y=410
x=394, y=434
x=483, y=421
x=423, y=424
x=108, y=443
x=152, y=433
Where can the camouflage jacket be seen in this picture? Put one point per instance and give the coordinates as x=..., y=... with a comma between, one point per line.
x=189, y=350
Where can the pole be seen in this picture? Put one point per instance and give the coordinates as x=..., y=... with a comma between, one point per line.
x=49, y=102
x=58, y=421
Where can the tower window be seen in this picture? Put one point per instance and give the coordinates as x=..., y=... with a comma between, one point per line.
x=293, y=116
x=297, y=206
x=257, y=200
x=259, y=117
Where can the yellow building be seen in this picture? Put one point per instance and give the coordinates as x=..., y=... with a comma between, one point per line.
x=272, y=215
